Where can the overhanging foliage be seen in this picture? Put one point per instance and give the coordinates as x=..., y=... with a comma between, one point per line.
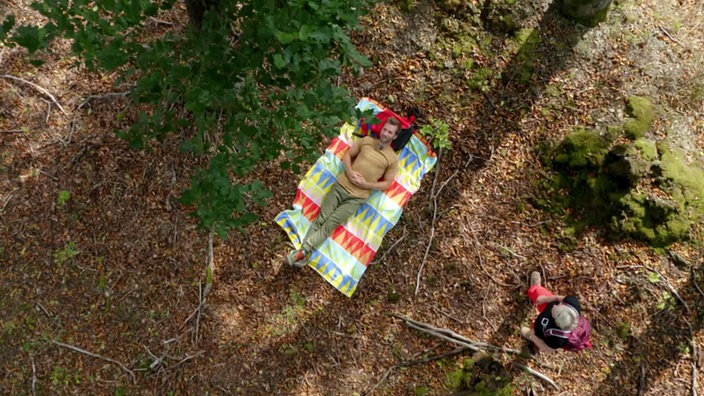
x=253, y=84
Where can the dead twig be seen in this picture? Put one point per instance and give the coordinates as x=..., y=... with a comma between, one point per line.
x=434, y=198
x=642, y=380
x=664, y=281
x=481, y=259
x=435, y=179
x=200, y=305
x=203, y=292
x=187, y=358
x=34, y=375
x=538, y=374
x=109, y=95
x=411, y=363
x=38, y=88
x=48, y=315
x=95, y=355
x=476, y=346
x=694, y=281
x=677, y=258
x=12, y=131
x=442, y=186
x=390, y=248
x=427, y=248
x=514, y=254
x=440, y=311
x=670, y=36
x=695, y=354
x=161, y=22
x=451, y=336
x=4, y=204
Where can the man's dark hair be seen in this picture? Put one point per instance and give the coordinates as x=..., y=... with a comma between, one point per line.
x=395, y=122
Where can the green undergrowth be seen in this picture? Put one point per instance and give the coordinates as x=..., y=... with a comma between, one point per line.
x=625, y=182
x=481, y=376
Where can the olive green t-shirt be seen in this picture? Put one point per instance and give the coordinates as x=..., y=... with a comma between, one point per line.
x=372, y=164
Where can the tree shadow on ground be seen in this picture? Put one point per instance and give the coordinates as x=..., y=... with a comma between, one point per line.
x=645, y=353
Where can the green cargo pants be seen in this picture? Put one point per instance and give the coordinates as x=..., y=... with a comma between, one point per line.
x=337, y=206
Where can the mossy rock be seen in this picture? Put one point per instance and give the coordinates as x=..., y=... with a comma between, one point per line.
x=623, y=163
x=481, y=376
x=647, y=148
x=684, y=182
x=603, y=187
x=642, y=112
x=581, y=149
x=587, y=12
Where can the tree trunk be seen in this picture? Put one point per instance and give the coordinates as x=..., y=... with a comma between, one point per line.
x=197, y=8
x=587, y=12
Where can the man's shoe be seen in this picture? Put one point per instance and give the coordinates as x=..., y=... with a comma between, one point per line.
x=526, y=333
x=297, y=258
x=535, y=278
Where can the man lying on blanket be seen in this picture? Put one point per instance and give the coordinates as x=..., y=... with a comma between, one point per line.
x=370, y=164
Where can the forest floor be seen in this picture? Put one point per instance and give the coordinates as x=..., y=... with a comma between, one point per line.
x=101, y=266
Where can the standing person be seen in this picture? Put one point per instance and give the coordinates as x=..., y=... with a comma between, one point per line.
x=558, y=315
x=370, y=164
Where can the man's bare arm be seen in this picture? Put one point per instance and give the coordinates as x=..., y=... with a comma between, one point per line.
x=548, y=299
x=352, y=153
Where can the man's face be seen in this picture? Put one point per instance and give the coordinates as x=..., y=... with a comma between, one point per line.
x=388, y=133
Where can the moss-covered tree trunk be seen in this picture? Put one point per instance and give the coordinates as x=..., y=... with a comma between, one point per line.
x=587, y=12
x=197, y=8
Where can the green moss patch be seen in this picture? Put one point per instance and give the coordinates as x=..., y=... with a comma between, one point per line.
x=642, y=112
x=582, y=149
x=639, y=189
x=481, y=376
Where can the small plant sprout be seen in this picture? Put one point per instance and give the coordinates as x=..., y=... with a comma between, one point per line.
x=438, y=132
x=65, y=254
x=63, y=198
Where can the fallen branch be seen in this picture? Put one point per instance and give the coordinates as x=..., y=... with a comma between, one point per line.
x=48, y=315
x=481, y=260
x=695, y=354
x=390, y=248
x=434, y=198
x=670, y=36
x=38, y=88
x=204, y=292
x=95, y=355
x=694, y=281
x=104, y=96
x=677, y=258
x=514, y=254
x=34, y=375
x=538, y=374
x=427, y=248
x=477, y=346
x=642, y=380
x=200, y=310
x=12, y=131
x=451, y=336
x=435, y=179
x=411, y=363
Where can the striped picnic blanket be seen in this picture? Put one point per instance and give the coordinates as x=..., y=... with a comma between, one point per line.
x=343, y=257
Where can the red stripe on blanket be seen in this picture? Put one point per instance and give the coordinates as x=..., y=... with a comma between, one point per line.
x=338, y=146
x=353, y=245
x=310, y=208
x=398, y=193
